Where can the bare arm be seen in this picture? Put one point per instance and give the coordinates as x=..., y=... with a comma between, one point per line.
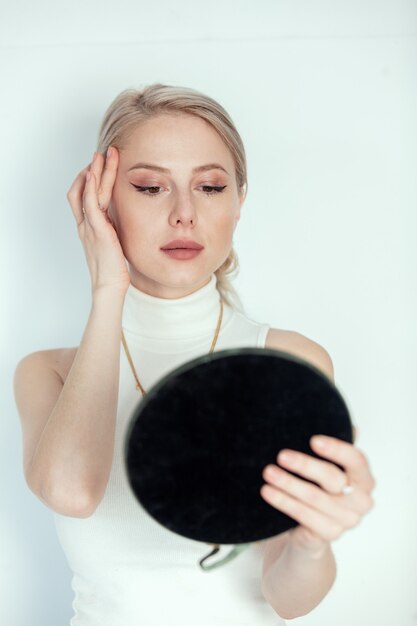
x=72, y=460
x=71, y=463
x=299, y=566
x=298, y=580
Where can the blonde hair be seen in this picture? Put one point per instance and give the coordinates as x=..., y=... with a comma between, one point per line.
x=133, y=106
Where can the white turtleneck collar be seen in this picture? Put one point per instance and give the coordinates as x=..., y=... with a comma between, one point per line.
x=157, y=320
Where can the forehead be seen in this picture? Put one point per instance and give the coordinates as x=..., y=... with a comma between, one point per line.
x=170, y=137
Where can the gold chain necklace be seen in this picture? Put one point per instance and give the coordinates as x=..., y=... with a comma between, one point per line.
x=129, y=358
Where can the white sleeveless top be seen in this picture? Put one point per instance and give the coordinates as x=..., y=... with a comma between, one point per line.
x=128, y=570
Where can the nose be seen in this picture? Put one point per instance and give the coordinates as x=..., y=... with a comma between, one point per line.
x=183, y=210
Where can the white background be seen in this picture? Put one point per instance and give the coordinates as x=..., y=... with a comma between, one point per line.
x=324, y=95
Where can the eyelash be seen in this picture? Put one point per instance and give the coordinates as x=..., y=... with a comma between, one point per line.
x=217, y=189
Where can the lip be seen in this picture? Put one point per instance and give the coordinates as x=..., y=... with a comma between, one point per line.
x=182, y=243
x=182, y=254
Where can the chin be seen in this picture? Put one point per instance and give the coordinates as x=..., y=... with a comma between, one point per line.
x=182, y=274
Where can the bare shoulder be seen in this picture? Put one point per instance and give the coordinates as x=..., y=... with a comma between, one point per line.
x=57, y=359
x=301, y=346
x=61, y=360
x=37, y=382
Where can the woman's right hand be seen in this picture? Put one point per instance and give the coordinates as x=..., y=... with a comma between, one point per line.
x=104, y=254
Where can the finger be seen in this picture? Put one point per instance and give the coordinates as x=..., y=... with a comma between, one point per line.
x=346, y=512
x=97, y=168
x=75, y=194
x=326, y=474
x=108, y=177
x=90, y=200
x=348, y=456
x=322, y=525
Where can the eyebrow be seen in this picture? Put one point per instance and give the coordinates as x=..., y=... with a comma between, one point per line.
x=200, y=168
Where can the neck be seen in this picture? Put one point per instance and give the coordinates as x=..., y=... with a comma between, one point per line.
x=147, y=285
x=160, y=323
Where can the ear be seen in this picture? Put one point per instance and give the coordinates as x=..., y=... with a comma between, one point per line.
x=237, y=214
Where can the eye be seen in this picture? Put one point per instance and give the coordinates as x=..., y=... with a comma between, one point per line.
x=213, y=189
x=216, y=189
x=145, y=189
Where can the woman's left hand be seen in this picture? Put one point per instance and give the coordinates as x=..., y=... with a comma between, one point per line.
x=324, y=512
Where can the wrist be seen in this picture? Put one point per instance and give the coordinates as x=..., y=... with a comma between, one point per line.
x=107, y=293
x=107, y=302
x=308, y=546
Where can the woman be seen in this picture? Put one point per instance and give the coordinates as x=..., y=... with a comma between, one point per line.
x=164, y=191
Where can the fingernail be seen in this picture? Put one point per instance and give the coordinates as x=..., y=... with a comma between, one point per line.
x=319, y=442
x=94, y=156
x=88, y=175
x=285, y=457
x=108, y=151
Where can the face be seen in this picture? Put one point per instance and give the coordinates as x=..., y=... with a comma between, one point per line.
x=182, y=203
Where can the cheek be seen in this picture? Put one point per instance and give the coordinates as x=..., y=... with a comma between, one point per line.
x=223, y=229
x=133, y=221
x=139, y=231
x=142, y=234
